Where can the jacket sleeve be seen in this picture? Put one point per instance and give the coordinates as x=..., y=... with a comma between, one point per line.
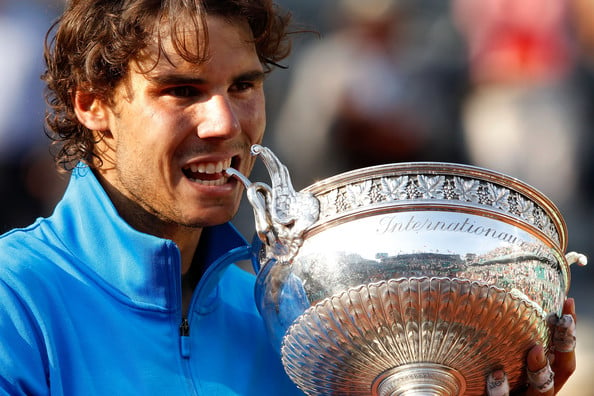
x=22, y=355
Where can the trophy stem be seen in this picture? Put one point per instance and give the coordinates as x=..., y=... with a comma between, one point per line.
x=416, y=379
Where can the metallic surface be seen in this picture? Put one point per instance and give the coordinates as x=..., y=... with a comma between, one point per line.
x=408, y=279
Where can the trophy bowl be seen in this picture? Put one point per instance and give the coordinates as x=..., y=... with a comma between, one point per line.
x=406, y=279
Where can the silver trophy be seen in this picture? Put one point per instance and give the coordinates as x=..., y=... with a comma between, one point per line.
x=406, y=279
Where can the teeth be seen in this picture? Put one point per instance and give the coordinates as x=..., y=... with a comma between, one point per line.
x=218, y=182
x=210, y=168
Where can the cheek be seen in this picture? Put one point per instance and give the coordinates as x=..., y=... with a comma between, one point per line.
x=161, y=133
x=254, y=120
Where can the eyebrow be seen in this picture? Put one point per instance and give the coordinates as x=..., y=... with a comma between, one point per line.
x=184, y=79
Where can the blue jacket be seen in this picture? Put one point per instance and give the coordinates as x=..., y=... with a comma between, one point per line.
x=90, y=306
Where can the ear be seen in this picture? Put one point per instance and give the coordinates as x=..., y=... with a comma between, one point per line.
x=91, y=111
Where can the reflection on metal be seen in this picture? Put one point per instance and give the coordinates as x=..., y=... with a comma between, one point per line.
x=414, y=278
x=436, y=336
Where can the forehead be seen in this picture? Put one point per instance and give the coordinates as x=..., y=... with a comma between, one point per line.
x=193, y=45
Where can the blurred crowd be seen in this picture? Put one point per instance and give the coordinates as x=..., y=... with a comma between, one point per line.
x=503, y=84
x=29, y=183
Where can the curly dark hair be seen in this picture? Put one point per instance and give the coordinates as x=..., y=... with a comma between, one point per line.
x=91, y=45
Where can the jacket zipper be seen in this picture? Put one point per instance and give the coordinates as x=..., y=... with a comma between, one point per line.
x=184, y=337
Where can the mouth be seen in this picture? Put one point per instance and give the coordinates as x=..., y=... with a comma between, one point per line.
x=208, y=173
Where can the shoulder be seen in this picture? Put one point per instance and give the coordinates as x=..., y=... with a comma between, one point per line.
x=29, y=256
x=17, y=248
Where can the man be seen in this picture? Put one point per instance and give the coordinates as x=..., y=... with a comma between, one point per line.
x=128, y=288
x=155, y=99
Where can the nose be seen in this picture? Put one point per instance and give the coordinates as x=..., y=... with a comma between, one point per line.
x=219, y=119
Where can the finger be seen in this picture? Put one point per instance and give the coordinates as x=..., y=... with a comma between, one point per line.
x=541, y=379
x=569, y=308
x=564, y=340
x=497, y=384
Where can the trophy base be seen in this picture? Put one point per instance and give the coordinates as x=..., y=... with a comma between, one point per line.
x=416, y=379
x=412, y=336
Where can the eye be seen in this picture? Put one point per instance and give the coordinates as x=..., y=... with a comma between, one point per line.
x=242, y=86
x=183, y=91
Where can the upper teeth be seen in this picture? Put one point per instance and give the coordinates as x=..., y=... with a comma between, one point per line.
x=211, y=167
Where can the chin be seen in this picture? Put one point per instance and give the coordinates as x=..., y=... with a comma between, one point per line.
x=211, y=218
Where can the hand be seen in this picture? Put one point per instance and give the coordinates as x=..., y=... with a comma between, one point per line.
x=546, y=376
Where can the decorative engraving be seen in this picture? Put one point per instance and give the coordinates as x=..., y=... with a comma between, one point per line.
x=438, y=188
x=431, y=187
x=467, y=189
x=359, y=194
x=394, y=188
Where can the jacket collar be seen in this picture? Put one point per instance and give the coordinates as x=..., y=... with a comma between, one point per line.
x=133, y=266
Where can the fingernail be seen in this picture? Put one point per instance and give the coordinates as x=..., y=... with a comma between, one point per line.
x=539, y=356
x=498, y=375
x=571, y=305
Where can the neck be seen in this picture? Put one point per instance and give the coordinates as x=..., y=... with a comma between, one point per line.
x=188, y=247
x=186, y=238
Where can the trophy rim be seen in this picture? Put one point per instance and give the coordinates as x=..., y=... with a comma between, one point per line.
x=450, y=169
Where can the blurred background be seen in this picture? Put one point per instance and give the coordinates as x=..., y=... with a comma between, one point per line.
x=503, y=84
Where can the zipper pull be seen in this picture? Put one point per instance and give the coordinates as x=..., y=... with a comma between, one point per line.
x=184, y=338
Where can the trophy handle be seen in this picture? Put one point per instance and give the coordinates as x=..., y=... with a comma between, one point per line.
x=576, y=258
x=281, y=214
